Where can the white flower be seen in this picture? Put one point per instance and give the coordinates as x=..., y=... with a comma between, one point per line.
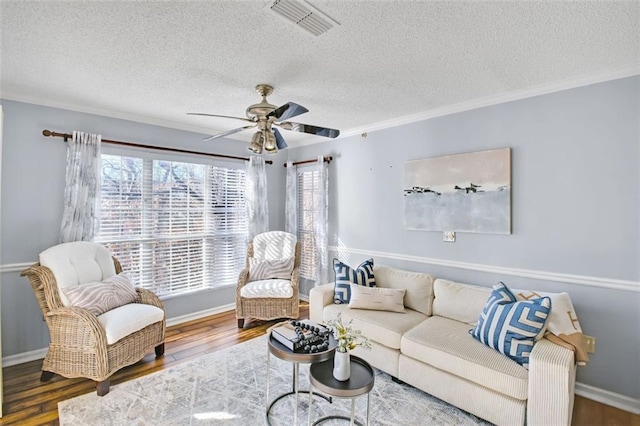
x=348, y=338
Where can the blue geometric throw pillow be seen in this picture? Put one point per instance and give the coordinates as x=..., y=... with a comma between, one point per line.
x=511, y=326
x=345, y=275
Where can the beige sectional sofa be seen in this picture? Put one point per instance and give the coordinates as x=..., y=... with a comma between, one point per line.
x=429, y=347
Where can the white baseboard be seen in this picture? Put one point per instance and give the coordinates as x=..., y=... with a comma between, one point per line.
x=613, y=399
x=200, y=314
x=23, y=357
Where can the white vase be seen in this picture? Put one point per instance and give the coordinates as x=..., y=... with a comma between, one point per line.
x=341, y=366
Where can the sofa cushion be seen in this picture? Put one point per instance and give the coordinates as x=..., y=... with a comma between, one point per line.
x=346, y=275
x=460, y=302
x=446, y=344
x=382, y=327
x=418, y=286
x=511, y=326
x=100, y=297
x=127, y=319
x=377, y=299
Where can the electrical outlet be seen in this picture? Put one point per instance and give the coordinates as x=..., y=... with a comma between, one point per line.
x=590, y=341
x=449, y=236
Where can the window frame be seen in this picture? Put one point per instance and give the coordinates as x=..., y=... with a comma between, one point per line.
x=308, y=260
x=207, y=238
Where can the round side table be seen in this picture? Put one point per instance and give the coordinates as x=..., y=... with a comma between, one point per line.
x=360, y=383
x=280, y=351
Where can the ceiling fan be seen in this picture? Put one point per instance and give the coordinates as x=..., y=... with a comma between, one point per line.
x=266, y=117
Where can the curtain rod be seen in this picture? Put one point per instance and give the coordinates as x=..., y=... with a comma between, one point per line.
x=68, y=136
x=327, y=159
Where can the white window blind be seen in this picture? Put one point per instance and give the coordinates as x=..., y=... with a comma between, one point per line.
x=175, y=227
x=307, y=214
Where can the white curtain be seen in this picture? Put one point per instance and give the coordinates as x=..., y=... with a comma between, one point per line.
x=81, y=193
x=322, y=224
x=257, y=204
x=291, y=200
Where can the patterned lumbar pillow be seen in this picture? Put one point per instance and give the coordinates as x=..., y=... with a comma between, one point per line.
x=102, y=296
x=511, y=326
x=376, y=298
x=345, y=276
x=270, y=269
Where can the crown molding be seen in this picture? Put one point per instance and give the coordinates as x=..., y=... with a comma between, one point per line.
x=395, y=122
x=584, y=280
x=105, y=112
x=501, y=98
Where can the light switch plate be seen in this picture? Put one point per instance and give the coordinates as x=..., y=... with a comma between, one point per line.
x=591, y=344
x=449, y=236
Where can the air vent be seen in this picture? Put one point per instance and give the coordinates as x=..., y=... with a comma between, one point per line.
x=303, y=15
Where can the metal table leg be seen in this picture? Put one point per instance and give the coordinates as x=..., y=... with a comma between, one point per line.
x=294, y=391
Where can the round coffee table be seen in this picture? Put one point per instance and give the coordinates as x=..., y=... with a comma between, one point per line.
x=360, y=382
x=280, y=351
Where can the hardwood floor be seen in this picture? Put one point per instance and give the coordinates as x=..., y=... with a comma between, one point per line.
x=27, y=401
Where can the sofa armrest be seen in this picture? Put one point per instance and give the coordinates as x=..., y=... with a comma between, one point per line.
x=552, y=378
x=319, y=297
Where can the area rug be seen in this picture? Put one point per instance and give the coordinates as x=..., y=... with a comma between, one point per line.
x=229, y=387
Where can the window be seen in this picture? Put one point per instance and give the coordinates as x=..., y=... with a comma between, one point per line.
x=307, y=214
x=175, y=227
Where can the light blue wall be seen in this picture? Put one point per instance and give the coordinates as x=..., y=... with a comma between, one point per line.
x=33, y=173
x=575, y=195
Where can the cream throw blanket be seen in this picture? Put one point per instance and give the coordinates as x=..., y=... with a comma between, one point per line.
x=563, y=327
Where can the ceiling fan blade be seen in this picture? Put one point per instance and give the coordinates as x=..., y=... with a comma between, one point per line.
x=280, y=142
x=307, y=128
x=287, y=111
x=229, y=132
x=221, y=116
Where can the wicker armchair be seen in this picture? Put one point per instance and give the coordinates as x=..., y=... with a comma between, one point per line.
x=268, y=298
x=81, y=343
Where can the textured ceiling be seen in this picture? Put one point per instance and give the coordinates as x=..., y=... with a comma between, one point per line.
x=155, y=61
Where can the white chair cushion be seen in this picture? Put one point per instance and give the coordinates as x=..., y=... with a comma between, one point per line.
x=77, y=263
x=127, y=319
x=274, y=245
x=267, y=289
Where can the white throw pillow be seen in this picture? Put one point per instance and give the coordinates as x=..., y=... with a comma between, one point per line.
x=270, y=269
x=376, y=298
x=102, y=296
x=418, y=286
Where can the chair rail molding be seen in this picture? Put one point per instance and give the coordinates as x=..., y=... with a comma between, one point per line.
x=15, y=267
x=585, y=280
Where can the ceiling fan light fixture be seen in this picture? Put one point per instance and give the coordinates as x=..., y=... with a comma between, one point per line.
x=257, y=140
x=270, y=142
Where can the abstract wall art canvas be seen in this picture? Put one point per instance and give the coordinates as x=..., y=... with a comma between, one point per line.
x=464, y=192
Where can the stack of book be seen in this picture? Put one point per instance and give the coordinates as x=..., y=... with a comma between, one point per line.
x=301, y=338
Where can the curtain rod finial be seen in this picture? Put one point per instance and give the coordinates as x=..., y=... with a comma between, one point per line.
x=46, y=132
